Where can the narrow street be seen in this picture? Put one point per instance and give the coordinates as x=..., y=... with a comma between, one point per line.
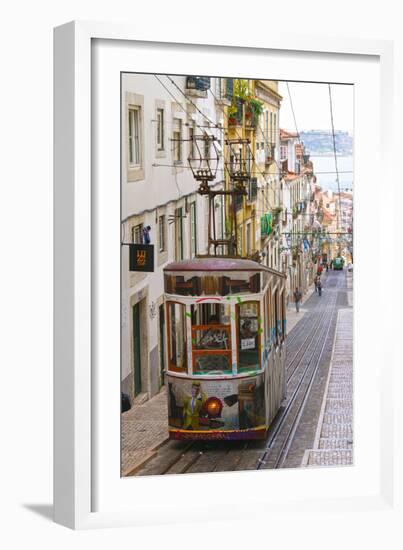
x=312, y=428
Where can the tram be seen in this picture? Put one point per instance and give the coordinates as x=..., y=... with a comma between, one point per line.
x=338, y=263
x=225, y=352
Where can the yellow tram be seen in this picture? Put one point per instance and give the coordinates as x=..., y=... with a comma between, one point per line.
x=225, y=352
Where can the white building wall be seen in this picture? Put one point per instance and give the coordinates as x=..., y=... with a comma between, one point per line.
x=158, y=188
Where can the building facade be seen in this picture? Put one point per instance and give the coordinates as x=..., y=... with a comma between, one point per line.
x=161, y=117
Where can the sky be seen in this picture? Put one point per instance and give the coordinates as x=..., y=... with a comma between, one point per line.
x=312, y=106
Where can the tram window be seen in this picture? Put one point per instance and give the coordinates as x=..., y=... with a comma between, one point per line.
x=211, y=338
x=177, y=336
x=276, y=319
x=282, y=309
x=248, y=330
x=268, y=318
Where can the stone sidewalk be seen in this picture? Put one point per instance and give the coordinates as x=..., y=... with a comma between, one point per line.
x=333, y=444
x=144, y=429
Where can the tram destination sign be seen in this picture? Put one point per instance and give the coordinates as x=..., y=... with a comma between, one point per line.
x=141, y=257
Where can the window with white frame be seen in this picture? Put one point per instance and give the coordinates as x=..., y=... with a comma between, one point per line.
x=134, y=137
x=283, y=152
x=160, y=130
x=178, y=234
x=191, y=140
x=193, y=230
x=161, y=233
x=274, y=128
x=137, y=234
x=176, y=141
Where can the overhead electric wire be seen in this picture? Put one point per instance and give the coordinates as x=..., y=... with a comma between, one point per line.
x=334, y=150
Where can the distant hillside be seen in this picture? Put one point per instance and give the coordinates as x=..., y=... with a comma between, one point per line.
x=320, y=142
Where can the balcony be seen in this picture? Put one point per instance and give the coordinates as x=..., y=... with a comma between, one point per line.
x=197, y=86
x=252, y=190
x=224, y=91
x=270, y=154
x=252, y=108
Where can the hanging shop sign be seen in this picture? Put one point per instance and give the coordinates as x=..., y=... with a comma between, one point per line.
x=141, y=257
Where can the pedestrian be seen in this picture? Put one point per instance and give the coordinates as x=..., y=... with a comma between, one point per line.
x=319, y=287
x=319, y=271
x=315, y=281
x=327, y=267
x=331, y=264
x=146, y=235
x=297, y=299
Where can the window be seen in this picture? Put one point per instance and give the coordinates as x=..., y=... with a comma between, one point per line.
x=137, y=234
x=176, y=336
x=276, y=319
x=248, y=239
x=134, y=137
x=160, y=130
x=248, y=331
x=274, y=128
x=176, y=141
x=161, y=233
x=191, y=142
x=283, y=152
x=178, y=234
x=240, y=239
x=193, y=230
x=211, y=338
x=271, y=127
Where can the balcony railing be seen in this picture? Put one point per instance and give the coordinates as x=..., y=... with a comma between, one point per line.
x=270, y=153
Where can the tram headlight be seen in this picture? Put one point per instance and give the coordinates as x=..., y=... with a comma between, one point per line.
x=213, y=406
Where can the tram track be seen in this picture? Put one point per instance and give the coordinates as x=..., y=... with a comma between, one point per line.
x=277, y=447
x=177, y=457
x=279, y=455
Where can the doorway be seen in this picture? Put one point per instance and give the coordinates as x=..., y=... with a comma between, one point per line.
x=136, y=349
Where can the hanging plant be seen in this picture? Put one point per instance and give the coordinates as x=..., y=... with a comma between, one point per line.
x=241, y=89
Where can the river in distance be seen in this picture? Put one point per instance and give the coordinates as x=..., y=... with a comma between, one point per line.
x=324, y=168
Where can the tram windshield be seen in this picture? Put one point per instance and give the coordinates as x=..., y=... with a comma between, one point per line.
x=211, y=339
x=248, y=329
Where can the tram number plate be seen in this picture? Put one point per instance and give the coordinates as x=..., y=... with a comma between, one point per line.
x=248, y=343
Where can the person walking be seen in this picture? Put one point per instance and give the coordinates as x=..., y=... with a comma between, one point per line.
x=297, y=299
x=315, y=282
x=319, y=287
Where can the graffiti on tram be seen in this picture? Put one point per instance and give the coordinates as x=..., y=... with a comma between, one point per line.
x=216, y=404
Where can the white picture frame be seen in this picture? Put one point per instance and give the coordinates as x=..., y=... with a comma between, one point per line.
x=88, y=491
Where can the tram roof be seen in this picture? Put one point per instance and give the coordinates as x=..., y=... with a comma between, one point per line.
x=219, y=263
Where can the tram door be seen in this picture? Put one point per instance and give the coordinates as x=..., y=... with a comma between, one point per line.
x=136, y=349
x=162, y=343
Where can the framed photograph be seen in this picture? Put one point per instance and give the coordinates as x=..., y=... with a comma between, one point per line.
x=213, y=206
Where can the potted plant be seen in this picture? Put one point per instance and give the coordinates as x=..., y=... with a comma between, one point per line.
x=255, y=109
